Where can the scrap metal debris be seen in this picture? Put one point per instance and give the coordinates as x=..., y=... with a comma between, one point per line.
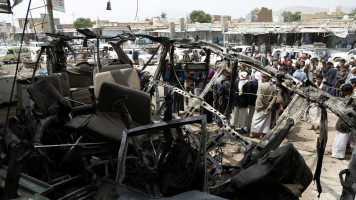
x=116, y=145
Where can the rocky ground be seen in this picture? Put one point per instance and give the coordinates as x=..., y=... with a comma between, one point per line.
x=304, y=140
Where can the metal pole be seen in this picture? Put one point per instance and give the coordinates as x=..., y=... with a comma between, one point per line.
x=98, y=53
x=50, y=16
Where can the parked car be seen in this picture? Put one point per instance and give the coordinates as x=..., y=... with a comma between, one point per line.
x=35, y=46
x=10, y=54
x=242, y=49
x=3, y=45
x=335, y=58
x=320, y=52
x=143, y=56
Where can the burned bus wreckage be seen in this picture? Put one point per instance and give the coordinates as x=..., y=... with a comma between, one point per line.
x=92, y=132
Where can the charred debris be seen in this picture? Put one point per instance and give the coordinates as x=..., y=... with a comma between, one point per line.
x=91, y=132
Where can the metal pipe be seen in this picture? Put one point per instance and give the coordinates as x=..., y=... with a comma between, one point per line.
x=44, y=123
x=50, y=16
x=98, y=53
x=69, y=145
x=148, y=62
x=36, y=65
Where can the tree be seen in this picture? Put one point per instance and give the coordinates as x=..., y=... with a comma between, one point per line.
x=200, y=16
x=163, y=15
x=82, y=23
x=291, y=17
x=255, y=11
x=353, y=12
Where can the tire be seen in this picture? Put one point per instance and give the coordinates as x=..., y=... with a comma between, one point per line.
x=6, y=62
x=141, y=62
x=12, y=61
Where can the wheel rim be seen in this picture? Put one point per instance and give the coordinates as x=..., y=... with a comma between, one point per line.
x=141, y=62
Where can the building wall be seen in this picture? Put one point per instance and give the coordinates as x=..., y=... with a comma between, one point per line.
x=215, y=18
x=264, y=15
x=322, y=15
x=43, y=22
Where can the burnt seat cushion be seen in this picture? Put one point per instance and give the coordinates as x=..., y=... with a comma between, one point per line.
x=108, y=124
x=60, y=81
x=126, y=77
x=138, y=103
x=44, y=94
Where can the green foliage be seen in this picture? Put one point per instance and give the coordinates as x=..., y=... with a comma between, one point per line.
x=291, y=17
x=200, y=16
x=254, y=11
x=82, y=23
x=353, y=12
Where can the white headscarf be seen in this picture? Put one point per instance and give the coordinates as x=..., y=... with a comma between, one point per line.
x=258, y=76
x=243, y=80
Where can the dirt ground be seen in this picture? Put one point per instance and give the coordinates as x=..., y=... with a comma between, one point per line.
x=304, y=140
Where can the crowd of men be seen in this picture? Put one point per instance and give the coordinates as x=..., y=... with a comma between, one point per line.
x=257, y=101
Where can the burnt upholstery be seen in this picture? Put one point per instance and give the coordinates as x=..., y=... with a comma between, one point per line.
x=107, y=123
x=44, y=94
x=60, y=81
x=108, y=68
x=126, y=77
x=47, y=99
x=114, y=67
x=138, y=103
x=79, y=78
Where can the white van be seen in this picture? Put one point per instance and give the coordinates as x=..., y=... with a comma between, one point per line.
x=242, y=49
x=35, y=46
x=143, y=56
x=110, y=50
x=3, y=45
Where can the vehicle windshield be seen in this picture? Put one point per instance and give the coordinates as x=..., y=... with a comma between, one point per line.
x=238, y=49
x=320, y=52
x=248, y=49
x=40, y=44
x=140, y=52
x=3, y=51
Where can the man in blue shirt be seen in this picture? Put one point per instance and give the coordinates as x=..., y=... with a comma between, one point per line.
x=299, y=74
x=330, y=75
x=325, y=57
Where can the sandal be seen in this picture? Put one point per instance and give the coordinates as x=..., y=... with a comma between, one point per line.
x=251, y=135
x=262, y=135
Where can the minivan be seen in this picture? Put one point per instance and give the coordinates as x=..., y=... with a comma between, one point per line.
x=10, y=54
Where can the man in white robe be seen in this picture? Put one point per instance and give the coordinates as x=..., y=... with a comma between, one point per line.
x=341, y=140
x=314, y=110
x=266, y=97
x=240, y=112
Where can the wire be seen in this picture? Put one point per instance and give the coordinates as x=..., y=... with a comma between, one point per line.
x=136, y=9
x=34, y=27
x=44, y=17
x=16, y=71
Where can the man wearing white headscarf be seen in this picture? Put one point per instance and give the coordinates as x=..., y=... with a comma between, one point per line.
x=351, y=75
x=258, y=76
x=240, y=112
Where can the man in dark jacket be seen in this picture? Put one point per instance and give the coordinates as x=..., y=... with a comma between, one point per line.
x=239, y=118
x=330, y=75
x=252, y=87
x=221, y=96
